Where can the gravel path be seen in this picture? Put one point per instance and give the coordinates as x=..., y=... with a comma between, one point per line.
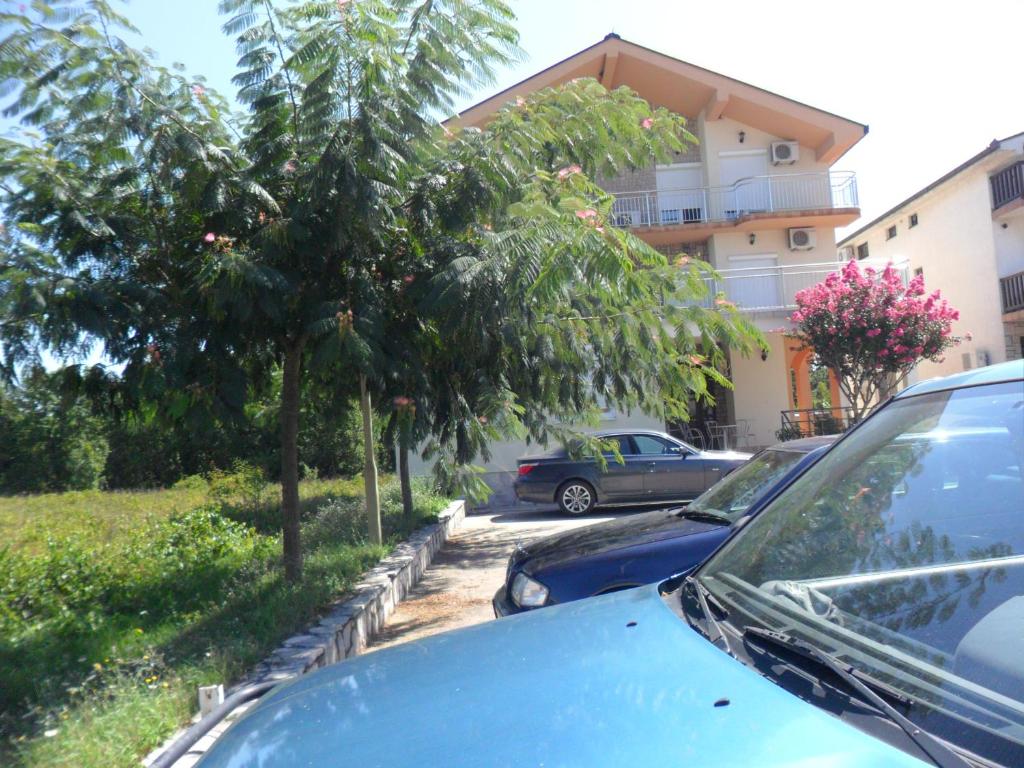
x=457, y=588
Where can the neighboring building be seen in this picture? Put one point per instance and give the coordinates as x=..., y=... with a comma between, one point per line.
x=965, y=233
x=757, y=198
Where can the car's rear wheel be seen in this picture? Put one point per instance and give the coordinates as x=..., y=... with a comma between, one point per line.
x=576, y=497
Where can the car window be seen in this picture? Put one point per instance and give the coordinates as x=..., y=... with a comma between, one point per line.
x=649, y=444
x=901, y=551
x=736, y=492
x=624, y=444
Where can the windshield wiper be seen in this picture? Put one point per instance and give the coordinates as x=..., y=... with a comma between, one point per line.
x=705, y=517
x=706, y=600
x=936, y=751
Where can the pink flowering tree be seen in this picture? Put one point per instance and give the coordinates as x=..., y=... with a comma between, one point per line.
x=871, y=329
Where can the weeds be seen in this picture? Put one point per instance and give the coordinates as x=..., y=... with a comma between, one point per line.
x=104, y=638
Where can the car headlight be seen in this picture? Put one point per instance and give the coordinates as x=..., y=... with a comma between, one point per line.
x=527, y=592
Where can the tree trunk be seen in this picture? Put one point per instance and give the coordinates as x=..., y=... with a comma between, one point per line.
x=370, y=466
x=290, y=461
x=403, y=473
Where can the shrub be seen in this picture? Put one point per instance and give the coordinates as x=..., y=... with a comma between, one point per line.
x=871, y=329
x=244, y=486
x=788, y=432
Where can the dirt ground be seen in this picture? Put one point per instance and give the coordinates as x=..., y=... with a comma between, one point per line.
x=457, y=588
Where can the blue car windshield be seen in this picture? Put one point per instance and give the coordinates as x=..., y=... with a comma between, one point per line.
x=901, y=552
x=733, y=495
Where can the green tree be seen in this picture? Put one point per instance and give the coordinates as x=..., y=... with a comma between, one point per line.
x=201, y=252
x=207, y=252
x=533, y=310
x=51, y=440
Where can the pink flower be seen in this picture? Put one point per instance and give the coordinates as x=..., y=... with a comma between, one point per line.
x=568, y=171
x=342, y=4
x=724, y=303
x=647, y=123
x=408, y=279
x=696, y=359
x=520, y=101
x=873, y=332
x=198, y=90
x=586, y=214
x=968, y=336
x=209, y=237
x=289, y=167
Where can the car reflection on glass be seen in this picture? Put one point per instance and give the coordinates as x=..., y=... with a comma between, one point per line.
x=651, y=546
x=654, y=467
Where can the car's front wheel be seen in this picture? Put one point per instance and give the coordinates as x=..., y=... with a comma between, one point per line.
x=576, y=497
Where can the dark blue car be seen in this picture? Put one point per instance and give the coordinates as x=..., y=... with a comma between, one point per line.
x=644, y=548
x=654, y=467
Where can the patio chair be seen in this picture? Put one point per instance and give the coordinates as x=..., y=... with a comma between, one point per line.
x=716, y=434
x=694, y=437
x=743, y=432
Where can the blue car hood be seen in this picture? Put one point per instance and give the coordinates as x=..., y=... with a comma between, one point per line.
x=609, y=536
x=571, y=685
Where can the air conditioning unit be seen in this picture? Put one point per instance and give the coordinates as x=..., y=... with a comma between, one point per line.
x=802, y=239
x=785, y=152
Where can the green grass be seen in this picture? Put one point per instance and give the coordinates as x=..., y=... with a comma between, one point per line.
x=104, y=517
x=106, y=633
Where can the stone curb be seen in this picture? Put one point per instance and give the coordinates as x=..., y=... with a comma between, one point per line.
x=350, y=624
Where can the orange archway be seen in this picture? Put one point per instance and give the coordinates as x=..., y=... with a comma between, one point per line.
x=798, y=371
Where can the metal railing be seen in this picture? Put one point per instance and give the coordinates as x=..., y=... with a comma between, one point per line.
x=1007, y=185
x=774, y=289
x=1012, y=291
x=757, y=194
x=816, y=421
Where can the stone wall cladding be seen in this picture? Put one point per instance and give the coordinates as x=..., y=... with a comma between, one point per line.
x=352, y=623
x=349, y=626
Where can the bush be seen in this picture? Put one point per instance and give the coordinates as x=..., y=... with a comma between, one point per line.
x=244, y=486
x=788, y=432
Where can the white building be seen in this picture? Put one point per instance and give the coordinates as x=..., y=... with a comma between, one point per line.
x=965, y=233
x=757, y=197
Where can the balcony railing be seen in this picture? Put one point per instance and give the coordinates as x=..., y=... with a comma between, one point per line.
x=1007, y=185
x=758, y=194
x=816, y=421
x=774, y=289
x=1012, y=290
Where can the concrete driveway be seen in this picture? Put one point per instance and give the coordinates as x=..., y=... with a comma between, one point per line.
x=457, y=588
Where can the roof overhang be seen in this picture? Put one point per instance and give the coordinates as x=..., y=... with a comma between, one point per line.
x=688, y=90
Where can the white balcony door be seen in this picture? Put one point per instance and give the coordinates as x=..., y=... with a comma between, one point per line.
x=746, y=173
x=753, y=282
x=680, y=194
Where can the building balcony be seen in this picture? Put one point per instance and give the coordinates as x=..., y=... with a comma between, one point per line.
x=1008, y=189
x=760, y=202
x=768, y=290
x=1011, y=289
